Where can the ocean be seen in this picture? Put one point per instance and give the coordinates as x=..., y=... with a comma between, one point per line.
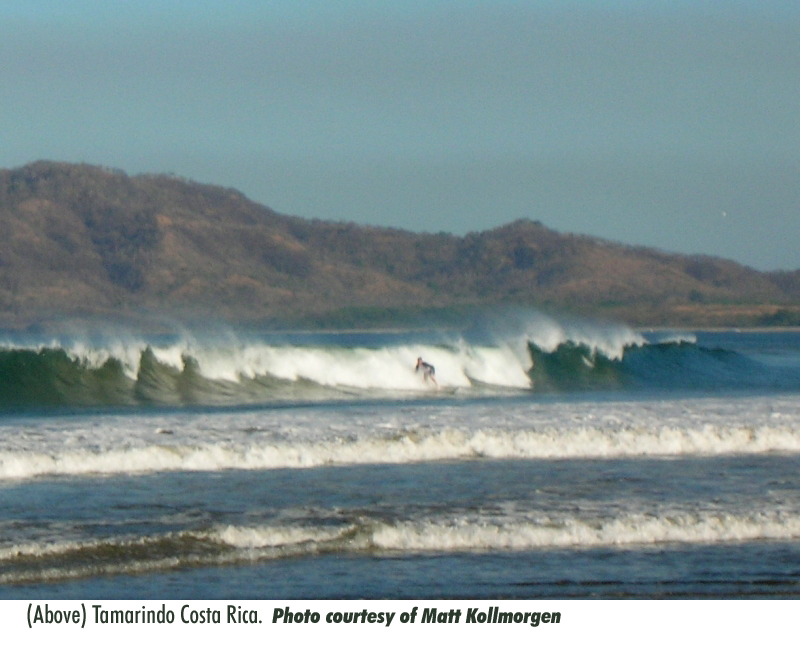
x=551, y=458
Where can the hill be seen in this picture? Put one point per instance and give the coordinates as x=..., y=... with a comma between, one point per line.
x=84, y=242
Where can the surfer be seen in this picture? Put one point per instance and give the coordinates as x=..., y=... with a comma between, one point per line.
x=428, y=370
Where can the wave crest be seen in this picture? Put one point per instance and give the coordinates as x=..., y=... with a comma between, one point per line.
x=537, y=353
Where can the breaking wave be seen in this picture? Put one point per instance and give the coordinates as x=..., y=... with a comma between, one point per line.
x=541, y=356
x=231, y=544
x=614, y=434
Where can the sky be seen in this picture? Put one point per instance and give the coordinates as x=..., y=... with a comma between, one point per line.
x=666, y=123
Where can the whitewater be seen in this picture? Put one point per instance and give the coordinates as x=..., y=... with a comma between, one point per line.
x=235, y=368
x=110, y=444
x=551, y=458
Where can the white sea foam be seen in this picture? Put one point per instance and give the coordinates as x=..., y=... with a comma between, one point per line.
x=305, y=438
x=389, y=368
x=43, y=561
x=276, y=536
x=641, y=529
x=675, y=338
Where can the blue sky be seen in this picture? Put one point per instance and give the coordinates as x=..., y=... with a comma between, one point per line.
x=667, y=124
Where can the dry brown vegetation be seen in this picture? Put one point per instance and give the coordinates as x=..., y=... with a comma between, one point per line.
x=78, y=241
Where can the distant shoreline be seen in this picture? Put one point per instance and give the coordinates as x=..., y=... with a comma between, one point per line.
x=136, y=328
x=719, y=329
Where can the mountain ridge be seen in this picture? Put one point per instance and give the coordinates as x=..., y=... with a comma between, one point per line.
x=83, y=242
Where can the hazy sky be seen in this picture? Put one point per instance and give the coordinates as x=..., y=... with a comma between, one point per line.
x=673, y=124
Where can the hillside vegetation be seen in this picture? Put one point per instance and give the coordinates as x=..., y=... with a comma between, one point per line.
x=83, y=242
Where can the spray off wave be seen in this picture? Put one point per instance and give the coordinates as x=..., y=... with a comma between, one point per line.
x=192, y=373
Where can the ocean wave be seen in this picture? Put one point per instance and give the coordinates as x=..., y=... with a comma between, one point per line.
x=565, y=440
x=538, y=355
x=231, y=544
x=192, y=374
x=625, y=530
